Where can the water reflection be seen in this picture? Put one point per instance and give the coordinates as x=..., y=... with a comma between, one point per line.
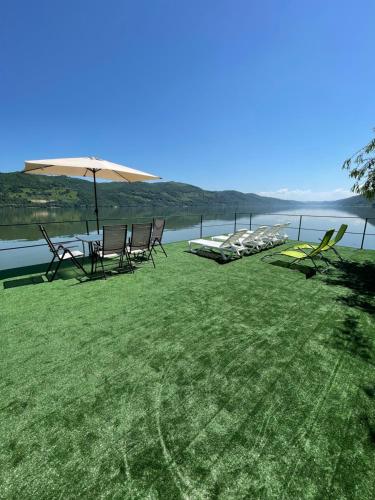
x=181, y=224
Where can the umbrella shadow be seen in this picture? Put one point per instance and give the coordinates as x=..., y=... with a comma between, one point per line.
x=110, y=272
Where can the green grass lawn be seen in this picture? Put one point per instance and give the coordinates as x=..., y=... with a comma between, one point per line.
x=193, y=380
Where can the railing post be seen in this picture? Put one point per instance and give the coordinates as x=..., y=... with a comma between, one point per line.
x=251, y=215
x=235, y=222
x=364, y=233
x=201, y=228
x=299, y=227
x=87, y=227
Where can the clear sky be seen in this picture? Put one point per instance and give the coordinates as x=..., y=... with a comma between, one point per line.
x=266, y=96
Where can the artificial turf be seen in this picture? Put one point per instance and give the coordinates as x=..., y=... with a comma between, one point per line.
x=191, y=380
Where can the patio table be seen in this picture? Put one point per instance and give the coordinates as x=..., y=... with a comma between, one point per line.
x=90, y=239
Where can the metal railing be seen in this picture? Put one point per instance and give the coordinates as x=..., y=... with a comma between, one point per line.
x=200, y=219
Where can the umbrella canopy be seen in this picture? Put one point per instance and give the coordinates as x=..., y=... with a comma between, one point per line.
x=87, y=167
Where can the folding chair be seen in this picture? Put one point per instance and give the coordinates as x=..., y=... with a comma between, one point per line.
x=60, y=253
x=157, y=234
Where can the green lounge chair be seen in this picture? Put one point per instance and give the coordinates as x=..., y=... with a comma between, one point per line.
x=330, y=245
x=301, y=254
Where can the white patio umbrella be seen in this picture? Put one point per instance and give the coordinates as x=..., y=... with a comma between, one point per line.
x=87, y=167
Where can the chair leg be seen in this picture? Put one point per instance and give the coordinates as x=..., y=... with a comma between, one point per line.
x=337, y=253
x=129, y=262
x=165, y=253
x=102, y=265
x=56, y=269
x=50, y=265
x=315, y=265
x=78, y=264
x=152, y=258
x=294, y=262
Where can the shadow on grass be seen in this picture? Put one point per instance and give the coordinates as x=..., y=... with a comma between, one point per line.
x=35, y=275
x=359, y=279
x=22, y=271
x=369, y=420
x=354, y=340
x=109, y=274
x=212, y=256
x=30, y=280
x=307, y=271
x=358, y=343
x=370, y=426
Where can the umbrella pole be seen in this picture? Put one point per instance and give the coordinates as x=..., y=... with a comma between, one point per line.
x=96, y=202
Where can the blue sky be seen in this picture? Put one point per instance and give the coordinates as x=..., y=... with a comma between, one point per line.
x=261, y=96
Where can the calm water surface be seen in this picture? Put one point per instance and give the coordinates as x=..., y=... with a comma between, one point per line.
x=63, y=224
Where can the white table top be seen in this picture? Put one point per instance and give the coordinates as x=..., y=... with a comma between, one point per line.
x=90, y=238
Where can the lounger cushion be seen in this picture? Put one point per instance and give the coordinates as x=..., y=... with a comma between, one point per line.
x=307, y=245
x=207, y=243
x=137, y=250
x=108, y=255
x=294, y=253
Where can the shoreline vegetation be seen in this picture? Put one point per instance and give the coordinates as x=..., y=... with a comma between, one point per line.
x=28, y=191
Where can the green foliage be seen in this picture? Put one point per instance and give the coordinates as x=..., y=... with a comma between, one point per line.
x=18, y=189
x=361, y=167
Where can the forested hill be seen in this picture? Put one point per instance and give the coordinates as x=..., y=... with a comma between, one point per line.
x=18, y=189
x=353, y=202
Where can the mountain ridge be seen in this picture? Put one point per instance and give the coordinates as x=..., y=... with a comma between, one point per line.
x=20, y=190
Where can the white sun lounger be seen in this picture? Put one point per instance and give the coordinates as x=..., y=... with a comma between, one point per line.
x=226, y=248
x=263, y=237
x=251, y=240
x=275, y=235
x=254, y=241
x=245, y=233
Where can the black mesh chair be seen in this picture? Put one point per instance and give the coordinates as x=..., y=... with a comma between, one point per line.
x=60, y=253
x=140, y=242
x=157, y=234
x=113, y=245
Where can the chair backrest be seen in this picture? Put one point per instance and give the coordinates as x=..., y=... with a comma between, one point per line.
x=282, y=226
x=340, y=233
x=262, y=232
x=272, y=231
x=259, y=231
x=141, y=236
x=231, y=240
x=157, y=229
x=323, y=243
x=254, y=236
x=114, y=239
x=51, y=245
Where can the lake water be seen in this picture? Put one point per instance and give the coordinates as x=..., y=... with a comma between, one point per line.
x=18, y=227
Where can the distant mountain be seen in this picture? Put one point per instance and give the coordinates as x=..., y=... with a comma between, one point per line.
x=354, y=201
x=18, y=189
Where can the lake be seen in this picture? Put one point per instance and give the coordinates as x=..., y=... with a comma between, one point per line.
x=19, y=228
